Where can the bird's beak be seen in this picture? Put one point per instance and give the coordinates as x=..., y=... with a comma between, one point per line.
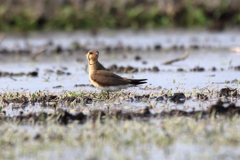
x=87, y=56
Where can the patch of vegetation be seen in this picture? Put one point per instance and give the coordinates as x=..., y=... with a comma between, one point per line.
x=71, y=15
x=123, y=140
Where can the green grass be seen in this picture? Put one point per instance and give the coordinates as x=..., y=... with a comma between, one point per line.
x=73, y=15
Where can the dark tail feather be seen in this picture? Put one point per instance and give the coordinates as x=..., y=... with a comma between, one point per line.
x=137, y=81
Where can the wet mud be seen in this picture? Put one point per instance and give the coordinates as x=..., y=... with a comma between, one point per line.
x=132, y=69
x=143, y=59
x=64, y=117
x=10, y=74
x=223, y=107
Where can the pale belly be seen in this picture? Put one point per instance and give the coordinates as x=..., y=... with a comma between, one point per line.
x=109, y=88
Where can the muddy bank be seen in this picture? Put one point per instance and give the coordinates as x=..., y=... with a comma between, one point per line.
x=87, y=97
x=131, y=69
x=58, y=104
x=63, y=117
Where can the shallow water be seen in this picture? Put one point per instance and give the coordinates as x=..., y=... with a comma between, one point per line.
x=136, y=39
x=167, y=77
x=213, y=50
x=215, y=53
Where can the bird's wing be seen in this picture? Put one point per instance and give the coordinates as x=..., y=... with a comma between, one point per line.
x=107, y=78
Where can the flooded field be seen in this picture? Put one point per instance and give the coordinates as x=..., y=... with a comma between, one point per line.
x=186, y=110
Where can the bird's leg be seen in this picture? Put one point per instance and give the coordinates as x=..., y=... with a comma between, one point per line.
x=108, y=95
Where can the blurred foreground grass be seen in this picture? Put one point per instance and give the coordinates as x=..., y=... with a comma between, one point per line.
x=23, y=15
x=170, y=138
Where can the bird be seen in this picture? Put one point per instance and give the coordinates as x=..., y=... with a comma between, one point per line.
x=106, y=80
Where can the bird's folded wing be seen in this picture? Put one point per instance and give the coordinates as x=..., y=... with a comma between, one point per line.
x=106, y=78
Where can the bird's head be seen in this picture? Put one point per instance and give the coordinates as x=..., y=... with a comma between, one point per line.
x=92, y=56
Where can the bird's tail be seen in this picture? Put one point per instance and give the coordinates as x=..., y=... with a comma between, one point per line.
x=137, y=81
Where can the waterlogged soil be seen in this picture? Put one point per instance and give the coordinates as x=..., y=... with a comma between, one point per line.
x=51, y=64
x=189, y=105
x=64, y=117
x=61, y=82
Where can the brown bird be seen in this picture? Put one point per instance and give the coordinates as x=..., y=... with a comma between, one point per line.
x=105, y=80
